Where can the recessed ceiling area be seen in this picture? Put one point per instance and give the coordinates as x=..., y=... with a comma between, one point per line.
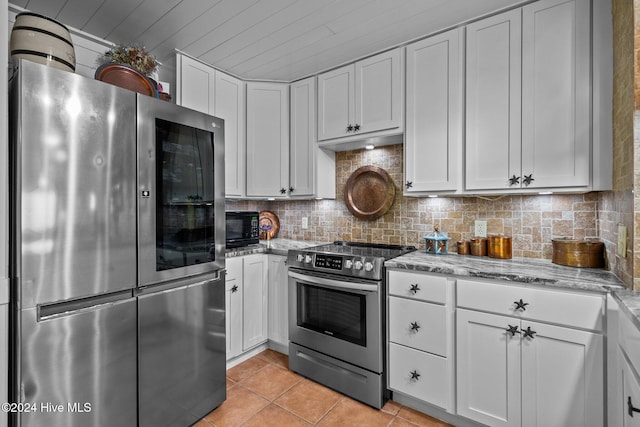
x=279, y=40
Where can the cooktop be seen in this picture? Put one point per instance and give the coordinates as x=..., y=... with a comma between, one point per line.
x=355, y=259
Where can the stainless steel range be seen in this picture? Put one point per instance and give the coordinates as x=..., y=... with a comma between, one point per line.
x=336, y=315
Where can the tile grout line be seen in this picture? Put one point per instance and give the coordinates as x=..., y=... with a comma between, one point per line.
x=329, y=410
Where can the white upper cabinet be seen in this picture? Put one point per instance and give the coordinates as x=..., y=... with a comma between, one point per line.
x=433, y=136
x=361, y=98
x=311, y=169
x=267, y=139
x=336, y=99
x=195, y=85
x=203, y=88
x=528, y=99
x=556, y=93
x=493, y=104
x=378, y=92
x=230, y=106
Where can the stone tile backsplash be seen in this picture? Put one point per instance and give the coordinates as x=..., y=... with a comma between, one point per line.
x=532, y=221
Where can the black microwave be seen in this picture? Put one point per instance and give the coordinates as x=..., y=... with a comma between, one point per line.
x=242, y=228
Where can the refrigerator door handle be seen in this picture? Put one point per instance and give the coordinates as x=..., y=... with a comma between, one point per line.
x=58, y=309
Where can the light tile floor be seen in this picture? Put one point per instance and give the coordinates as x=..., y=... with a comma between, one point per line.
x=263, y=392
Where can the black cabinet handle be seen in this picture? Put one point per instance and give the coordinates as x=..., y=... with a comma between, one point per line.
x=520, y=305
x=414, y=288
x=528, y=179
x=631, y=407
x=528, y=333
x=283, y=190
x=415, y=376
x=234, y=288
x=513, y=330
x=350, y=128
x=291, y=189
x=514, y=180
x=409, y=184
x=356, y=128
x=415, y=326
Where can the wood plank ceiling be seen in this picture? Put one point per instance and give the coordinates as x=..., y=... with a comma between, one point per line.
x=280, y=40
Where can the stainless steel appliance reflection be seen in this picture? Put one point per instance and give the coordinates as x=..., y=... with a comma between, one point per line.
x=336, y=315
x=102, y=332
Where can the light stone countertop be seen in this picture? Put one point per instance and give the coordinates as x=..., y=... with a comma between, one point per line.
x=530, y=271
x=524, y=271
x=520, y=271
x=629, y=302
x=274, y=246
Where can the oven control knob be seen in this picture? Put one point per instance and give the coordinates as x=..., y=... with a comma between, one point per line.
x=300, y=258
x=348, y=264
x=307, y=259
x=358, y=265
x=368, y=266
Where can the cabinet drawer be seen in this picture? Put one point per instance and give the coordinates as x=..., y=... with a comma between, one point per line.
x=431, y=384
x=629, y=337
x=423, y=287
x=234, y=268
x=564, y=308
x=418, y=324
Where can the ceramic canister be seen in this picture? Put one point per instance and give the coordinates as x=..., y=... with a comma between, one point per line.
x=43, y=40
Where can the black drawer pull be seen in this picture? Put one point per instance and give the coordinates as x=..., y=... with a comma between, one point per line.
x=513, y=330
x=414, y=288
x=415, y=326
x=415, y=376
x=528, y=333
x=520, y=305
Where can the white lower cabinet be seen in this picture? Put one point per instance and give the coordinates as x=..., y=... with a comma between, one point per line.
x=629, y=365
x=255, y=300
x=246, y=303
x=278, y=302
x=420, y=331
x=516, y=370
x=233, y=306
x=419, y=374
x=630, y=394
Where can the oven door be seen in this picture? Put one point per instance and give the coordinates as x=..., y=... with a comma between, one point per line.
x=337, y=316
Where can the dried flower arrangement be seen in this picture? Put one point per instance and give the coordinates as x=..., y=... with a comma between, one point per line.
x=134, y=56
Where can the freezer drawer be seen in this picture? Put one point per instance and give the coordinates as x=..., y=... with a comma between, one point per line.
x=182, y=353
x=78, y=367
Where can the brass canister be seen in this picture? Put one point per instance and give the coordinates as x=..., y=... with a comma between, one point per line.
x=463, y=247
x=578, y=253
x=499, y=247
x=478, y=246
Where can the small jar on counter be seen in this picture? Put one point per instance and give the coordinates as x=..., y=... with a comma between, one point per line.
x=478, y=246
x=463, y=247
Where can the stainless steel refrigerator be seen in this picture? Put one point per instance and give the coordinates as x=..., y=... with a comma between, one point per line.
x=117, y=255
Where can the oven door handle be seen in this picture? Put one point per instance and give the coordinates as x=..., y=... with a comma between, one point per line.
x=315, y=280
